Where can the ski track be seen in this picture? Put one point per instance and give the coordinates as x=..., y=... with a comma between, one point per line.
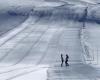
x=36, y=42
x=21, y=74
x=24, y=56
x=19, y=40
x=27, y=72
x=15, y=45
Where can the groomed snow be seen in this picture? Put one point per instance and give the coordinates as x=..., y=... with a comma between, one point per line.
x=32, y=50
x=37, y=75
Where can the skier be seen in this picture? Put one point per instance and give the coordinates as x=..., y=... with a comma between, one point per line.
x=66, y=60
x=62, y=60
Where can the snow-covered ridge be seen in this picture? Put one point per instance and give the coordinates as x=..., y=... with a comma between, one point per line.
x=69, y=11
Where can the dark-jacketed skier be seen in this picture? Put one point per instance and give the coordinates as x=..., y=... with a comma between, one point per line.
x=66, y=60
x=62, y=60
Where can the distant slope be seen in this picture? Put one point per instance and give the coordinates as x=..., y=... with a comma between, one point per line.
x=8, y=22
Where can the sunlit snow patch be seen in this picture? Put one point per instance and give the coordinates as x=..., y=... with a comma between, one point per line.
x=50, y=4
x=89, y=1
x=39, y=74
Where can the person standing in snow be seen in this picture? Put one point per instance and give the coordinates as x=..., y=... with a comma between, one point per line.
x=62, y=60
x=66, y=60
x=85, y=16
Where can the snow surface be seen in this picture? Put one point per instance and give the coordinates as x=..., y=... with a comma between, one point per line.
x=91, y=40
x=32, y=49
x=41, y=43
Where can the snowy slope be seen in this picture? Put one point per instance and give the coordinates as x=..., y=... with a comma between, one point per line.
x=37, y=43
x=9, y=22
x=92, y=38
x=40, y=43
